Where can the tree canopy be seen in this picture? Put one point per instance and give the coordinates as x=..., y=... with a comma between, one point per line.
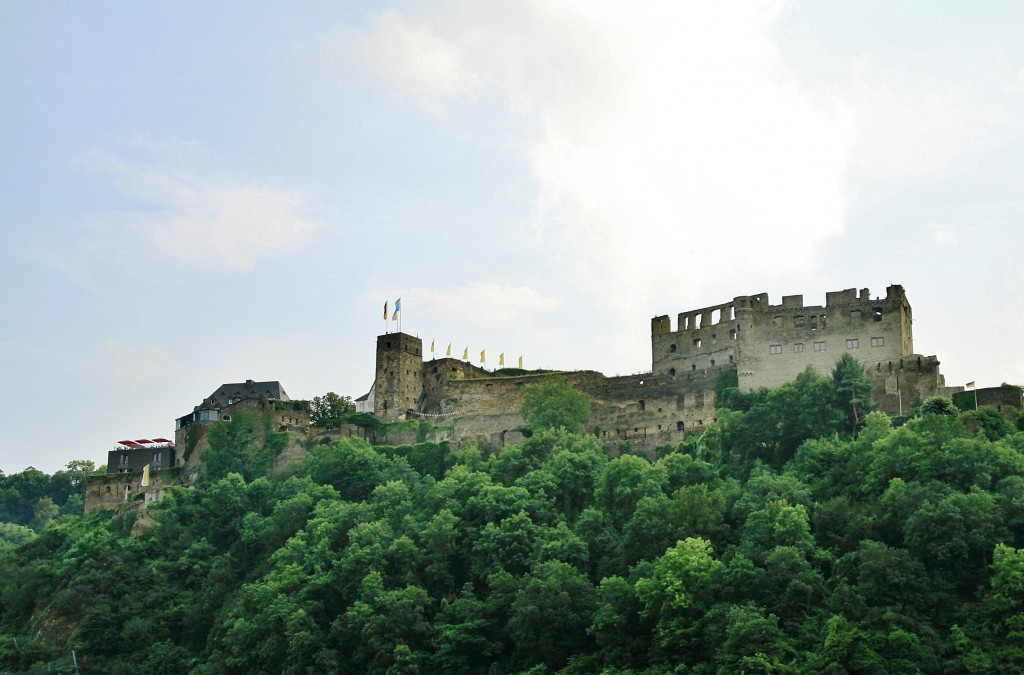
x=553, y=403
x=801, y=533
x=330, y=410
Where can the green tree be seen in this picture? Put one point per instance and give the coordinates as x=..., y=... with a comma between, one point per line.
x=350, y=465
x=43, y=512
x=554, y=403
x=624, y=482
x=231, y=444
x=852, y=392
x=467, y=634
x=330, y=410
x=621, y=636
x=683, y=586
x=939, y=405
x=1004, y=605
x=550, y=615
x=753, y=641
x=386, y=629
x=13, y=535
x=988, y=422
x=781, y=419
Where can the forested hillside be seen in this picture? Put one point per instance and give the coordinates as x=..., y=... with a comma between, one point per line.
x=800, y=533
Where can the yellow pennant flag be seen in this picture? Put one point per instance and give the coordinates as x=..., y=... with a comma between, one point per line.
x=449, y=349
x=465, y=354
x=501, y=359
x=145, y=475
x=483, y=356
x=520, y=360
x=431, y=346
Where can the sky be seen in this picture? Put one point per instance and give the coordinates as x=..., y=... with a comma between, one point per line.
x=195, y=193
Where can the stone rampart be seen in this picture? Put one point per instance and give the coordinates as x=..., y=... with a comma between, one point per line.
x=112, y=490
x=901, y=382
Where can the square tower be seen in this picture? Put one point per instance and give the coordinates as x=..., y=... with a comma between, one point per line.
x=399, y=382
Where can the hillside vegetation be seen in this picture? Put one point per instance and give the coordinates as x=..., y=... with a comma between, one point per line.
x=800, y=533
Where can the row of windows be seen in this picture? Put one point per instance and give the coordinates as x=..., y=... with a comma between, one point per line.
x=693, y=366
x=699, y=342
x=815, y=321
x=852, y=343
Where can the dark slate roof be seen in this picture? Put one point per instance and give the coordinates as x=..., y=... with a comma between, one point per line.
x=240, y=391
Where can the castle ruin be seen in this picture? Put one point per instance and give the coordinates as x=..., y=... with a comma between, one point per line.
x=766, y=345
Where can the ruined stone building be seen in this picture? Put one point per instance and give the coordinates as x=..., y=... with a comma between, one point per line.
x=767, y=345
x=127, y=479
x=175, y=462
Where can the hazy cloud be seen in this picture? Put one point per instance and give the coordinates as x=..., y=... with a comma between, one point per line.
x=668, y=140
x=202, y=219
x=942, y=235
x=909, y=127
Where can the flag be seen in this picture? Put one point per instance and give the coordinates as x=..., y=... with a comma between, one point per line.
x=145, y=475
x=431, y=347
x=465, y=354
x=398, y=308
x=483, y=356
x=449, y=349
x=970, y=385
x=385, y=310
x=520, y=360
x=501, y=359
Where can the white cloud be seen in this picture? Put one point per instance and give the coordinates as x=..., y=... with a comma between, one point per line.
x=942, y=235
x=908, y=126
x=414, y=59
x=674, y=150
x=204, y=220
x=1017, y=86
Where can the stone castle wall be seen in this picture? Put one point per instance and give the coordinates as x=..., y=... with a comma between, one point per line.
x=113, y=490
x=771, y=344
x=767, y=345
x=778, y=342
x=641, y=409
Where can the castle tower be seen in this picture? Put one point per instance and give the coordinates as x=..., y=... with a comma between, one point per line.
x=399, y=380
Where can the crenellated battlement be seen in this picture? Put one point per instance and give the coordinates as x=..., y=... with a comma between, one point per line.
x=770, y=344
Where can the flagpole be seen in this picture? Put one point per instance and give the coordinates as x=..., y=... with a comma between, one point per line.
x=899, y=395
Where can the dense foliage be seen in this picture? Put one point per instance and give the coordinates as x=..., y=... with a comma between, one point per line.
x=31, y=498
x=800, y=533
x=330, y=410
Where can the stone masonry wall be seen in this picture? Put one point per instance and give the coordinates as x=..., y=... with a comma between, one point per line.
x=112, y=490
x=638, y=409
x=780, y=341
